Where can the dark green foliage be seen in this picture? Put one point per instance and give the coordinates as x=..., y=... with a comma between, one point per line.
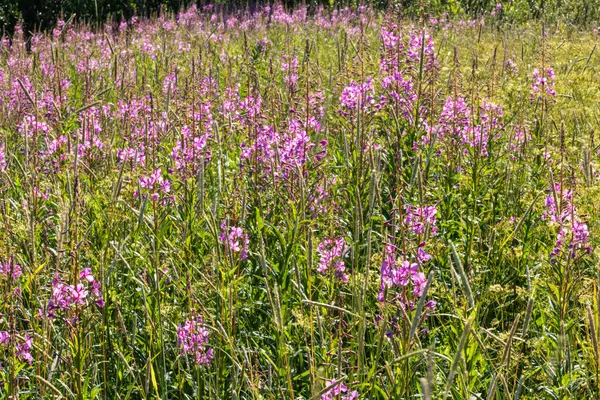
x=42, y=14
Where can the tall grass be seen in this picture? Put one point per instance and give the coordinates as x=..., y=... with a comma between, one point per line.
x=281, y=205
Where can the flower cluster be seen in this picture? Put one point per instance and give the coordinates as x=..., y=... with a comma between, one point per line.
x=131, y=155
x=331, y=257
x=192, y=338
x=68, y=297
x=263, y=149
x=497, y=10
x=157, y=185
x=402, y=273
x=401, y=91
x=559, y=205
x=573, y=235
x=170, y=85
x=2, y=159
x=520, y=137
x=357, y=97
x=420, y=44
x=190, y=152
x=289, y=66
x=31, y=124
x=418, y=219
x=22, y=348
x=234, y=239
x=455, y=120
x=10, y=269
x=280, y=155
x=460, y=124
x=511, y=67
x=543, y=82
x=55, y=154
x=338, y=391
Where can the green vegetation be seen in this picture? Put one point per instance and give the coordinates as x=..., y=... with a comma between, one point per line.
x=285, y=205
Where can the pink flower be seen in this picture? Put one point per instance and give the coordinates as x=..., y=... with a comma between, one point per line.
x=157, y=185
x=24, y=349
x=79, y=294
x=338, y=392
x=235, y=239
x=331, y=253
x=4, y=337
x=192, y=338
x=86, y=274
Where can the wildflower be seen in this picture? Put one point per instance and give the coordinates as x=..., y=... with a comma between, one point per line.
x=235, y=239
x=419, y=219
x=419, y=281
x=128, y=154
x=4, y=337
x=357, y=97
x=401, y=91
x=192, y=338
x=78, y=294
x=543, y=82
x=86, y=274
x=416, y=47
x=190, y=153
x=31, y=124
x=389, y=37
x=10, y=269
x=512, y=67
x=422, y=256
x=24, y=349
x=66, y=297
x=402, y=273
x=338, y=391
x=458, y=123
x=157, y=185
x=520, y=137
x=170, y=85
x=290, y=67
x=497, y=10
x=573, y=235
x=2, y=159
x=331, y=253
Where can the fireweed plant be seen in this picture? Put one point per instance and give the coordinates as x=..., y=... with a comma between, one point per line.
x=299, y=204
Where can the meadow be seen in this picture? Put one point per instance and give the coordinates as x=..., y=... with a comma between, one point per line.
x=327, y=205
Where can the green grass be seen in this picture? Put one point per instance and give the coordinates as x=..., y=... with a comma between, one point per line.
x=508, y=324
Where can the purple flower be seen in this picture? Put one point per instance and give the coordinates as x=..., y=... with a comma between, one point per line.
x=422, y=256
x=357, y=97
x=79, y=294
x=4, y=337
x=338, y=391
x=419, y=281
x=542, y=82
x=10, y=269
x=419, y=219
x=24, y=349
x=86, y=274
x=192, y=338
x=402, y=274
x=157, y=185
x=573, y=235
x=511, y=67
x=497, y=10
x=65, y=298
x=2, y=159
x=331, y=253
x=235, y=239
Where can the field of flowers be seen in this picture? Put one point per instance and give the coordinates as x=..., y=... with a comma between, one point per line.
x=331, y=205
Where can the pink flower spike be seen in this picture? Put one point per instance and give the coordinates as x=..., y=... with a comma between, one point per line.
x=86, y=274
